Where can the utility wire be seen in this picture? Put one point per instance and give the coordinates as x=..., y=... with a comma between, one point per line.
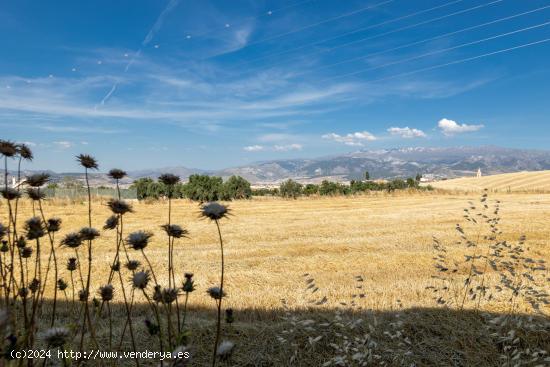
x=449, y=63
x=423, y=41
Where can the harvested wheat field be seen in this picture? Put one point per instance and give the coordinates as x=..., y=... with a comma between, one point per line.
x=508, y=182
x=370, y=256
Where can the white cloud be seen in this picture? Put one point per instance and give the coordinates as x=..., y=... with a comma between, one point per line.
x=63, y=144
x=288, y=147
x=407, y=132
x=275, y=148
x=450, y=127
x=254, y=148
x=352, y=139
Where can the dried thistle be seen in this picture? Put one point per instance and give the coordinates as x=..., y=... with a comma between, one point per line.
x=189, y=284
x=88, y=233
x=10, y=193
x=26, y=252
x=141, y=279
x=106, y=292
x=8, y=148
x=169, y=179
x=132, y=265
x=174, y=230
x=169, y=295
x=119, y=206
x=34, y=228
x=87, y=161
x=83, y=295
x=117, y=174
x=25, y=152
x=54, y=224
x=71, y=264
x=37, y=179
x=61, y=285
x=139, y=240
x=216, y=293
x=72, y=240
x=111, y=222
x=214, y=211
x=35, y=194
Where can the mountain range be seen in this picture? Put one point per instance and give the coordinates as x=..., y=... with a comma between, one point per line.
x=449, y=162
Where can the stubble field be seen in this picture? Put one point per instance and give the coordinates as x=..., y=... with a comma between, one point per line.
x=270, y=243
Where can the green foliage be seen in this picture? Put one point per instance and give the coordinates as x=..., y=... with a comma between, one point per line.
x=236, y=187
x=329, y=188
x=367, y=175
x=204, y=188
x=290, y=189
x=310, y=189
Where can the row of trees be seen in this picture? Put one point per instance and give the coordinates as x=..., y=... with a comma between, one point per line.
x=293, y=189
x=210, y=188
x=199, y=188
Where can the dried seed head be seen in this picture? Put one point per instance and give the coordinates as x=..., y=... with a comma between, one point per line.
x=4, y=247
x=169, y=179
x=189, y=284
x=62, y=285
x=7, y=148
x=225, y=350
x=157, y=294
x=229, y=318
x=34, y=228
x=10, y=193
x=25, y=152
x=173, y=230
x=3, y=231
x=56, y=337
x=216, y=293
x=83, y=295
x=117, y=174
x=71, y=264
x=35, y=194
x=72, y=240
x=89, y=233
x=132, y=265
x=54, y=224
x=37, y=180
x=111, y=222
x=139, y=240
x=34, y=285
x=115, y=266
x=106, y=292
x=26, y=252
x=141, y=279
x=152, y=328
x=87, y=161
x=119, y=206
x=23, y=292
x=21, y=242
x=214, y=211
x=169, y=295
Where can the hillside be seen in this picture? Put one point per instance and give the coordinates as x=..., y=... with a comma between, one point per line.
x=514, y=182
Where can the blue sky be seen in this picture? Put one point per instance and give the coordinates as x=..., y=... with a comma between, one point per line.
x=212, y=83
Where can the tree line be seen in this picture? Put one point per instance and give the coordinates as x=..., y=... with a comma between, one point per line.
x=211, y=188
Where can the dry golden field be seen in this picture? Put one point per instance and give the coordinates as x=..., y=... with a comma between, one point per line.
x=271, y=243
x=508, y=182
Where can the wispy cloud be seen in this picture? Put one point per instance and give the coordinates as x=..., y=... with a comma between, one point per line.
x=352, y=139
x=63, y=144
x=254, y=148
x=274, y=148
x=450, y=127
x=407, y=132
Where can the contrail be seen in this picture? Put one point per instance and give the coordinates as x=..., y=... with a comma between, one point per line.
x=148, y=38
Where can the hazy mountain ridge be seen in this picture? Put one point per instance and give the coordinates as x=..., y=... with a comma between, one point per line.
x=382, y=163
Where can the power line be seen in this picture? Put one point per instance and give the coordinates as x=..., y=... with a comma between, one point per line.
x=451, y=62
x=424, y=40
x=432, y=20
x=448, y=49
x=353, y=32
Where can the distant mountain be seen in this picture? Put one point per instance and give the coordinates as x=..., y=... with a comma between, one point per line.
x=393, y=163
x=383, y=164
